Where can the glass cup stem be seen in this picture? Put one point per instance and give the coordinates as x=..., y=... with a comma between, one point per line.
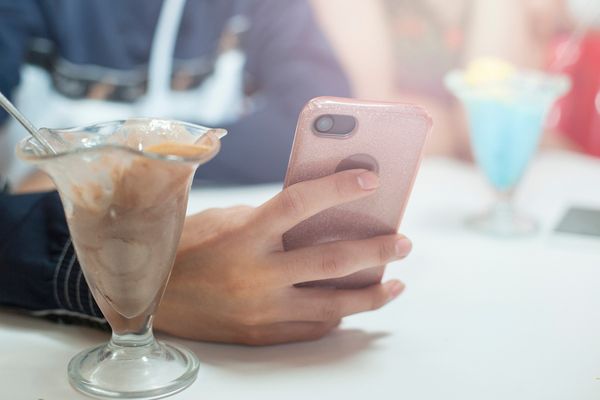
x=141, y=339
x=503, y=219
x=503, y=209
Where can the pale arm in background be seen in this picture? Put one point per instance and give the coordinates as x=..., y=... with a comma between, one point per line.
x=360, y=34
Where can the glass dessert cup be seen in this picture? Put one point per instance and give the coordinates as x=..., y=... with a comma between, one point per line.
x=124, y=186
x=506, y=118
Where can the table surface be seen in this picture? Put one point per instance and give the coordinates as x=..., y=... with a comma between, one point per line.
x=482, y=317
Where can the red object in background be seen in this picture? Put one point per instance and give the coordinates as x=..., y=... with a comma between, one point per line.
x=578, y=113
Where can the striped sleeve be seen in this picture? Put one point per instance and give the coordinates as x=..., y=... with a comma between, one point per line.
x=39, y=271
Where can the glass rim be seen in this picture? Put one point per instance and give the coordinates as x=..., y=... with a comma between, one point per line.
x=215, y=135
x=455, y=80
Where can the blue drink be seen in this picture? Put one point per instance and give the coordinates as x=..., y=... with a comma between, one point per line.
x=506, y=113
x=504, y=137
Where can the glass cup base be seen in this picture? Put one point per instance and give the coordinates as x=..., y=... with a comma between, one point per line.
x=151, y=371
x=503, y=223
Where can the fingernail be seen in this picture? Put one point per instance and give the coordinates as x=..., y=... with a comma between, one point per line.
x=395, y=290
x=403, y=247
x=368, y=181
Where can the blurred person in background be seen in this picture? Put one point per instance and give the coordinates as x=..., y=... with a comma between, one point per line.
x=401, y=49
x=395, y=50
x=246, y=65
x=407, y=47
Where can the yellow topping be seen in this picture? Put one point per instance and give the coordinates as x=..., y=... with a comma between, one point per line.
x=179, y=149
x=488, y=70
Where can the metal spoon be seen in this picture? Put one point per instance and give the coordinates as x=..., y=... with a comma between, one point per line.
x=12, y=110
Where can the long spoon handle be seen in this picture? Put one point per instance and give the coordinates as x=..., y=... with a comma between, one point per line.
x=12, y=110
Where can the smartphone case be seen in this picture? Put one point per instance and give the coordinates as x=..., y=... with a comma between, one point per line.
x=388, y=138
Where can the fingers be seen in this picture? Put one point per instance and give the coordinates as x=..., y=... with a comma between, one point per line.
x=305, y=199
x=314, y=304
x=337, y=259
x=286, y=332
x=318, y=311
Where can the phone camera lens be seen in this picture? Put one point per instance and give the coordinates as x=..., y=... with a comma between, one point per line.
x=324, y=123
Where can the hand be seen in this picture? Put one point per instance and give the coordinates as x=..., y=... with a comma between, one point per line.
x=233, y=282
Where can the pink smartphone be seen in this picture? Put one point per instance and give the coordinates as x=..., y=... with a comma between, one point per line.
x=336, y=134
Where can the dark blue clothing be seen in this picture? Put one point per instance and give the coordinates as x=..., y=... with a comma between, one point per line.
x=39, y=270
x=288, y=61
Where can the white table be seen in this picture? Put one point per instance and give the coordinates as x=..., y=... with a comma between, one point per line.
x=481, y=318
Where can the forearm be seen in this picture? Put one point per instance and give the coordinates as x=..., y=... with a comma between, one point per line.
x=365, y=53
x=502, y=29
